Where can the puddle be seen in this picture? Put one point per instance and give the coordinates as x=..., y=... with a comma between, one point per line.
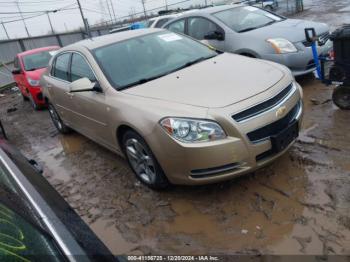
x=112, y=238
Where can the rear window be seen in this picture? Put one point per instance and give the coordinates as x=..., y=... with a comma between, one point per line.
x=38, y=60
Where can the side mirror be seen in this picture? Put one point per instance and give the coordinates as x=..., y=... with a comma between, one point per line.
x=215, y=35
x=16, y=71
x=84, y=85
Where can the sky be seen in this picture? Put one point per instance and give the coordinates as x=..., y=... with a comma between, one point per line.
x=68, y=17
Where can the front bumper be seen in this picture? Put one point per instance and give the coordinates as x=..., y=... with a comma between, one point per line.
x=210, y=162
x=301, y=62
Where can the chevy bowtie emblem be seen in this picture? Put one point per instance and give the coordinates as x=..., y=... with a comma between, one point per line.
x=281, y=111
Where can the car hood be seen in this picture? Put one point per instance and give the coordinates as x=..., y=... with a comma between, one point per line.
x=36, y=74
x=291, y=29
x=217, y=82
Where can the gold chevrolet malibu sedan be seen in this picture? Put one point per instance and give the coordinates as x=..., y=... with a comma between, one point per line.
x=179, y=111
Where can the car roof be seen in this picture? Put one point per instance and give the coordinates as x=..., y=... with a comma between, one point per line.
x=104, y=40
x=211, y=10
x=165, y=16
x=38, y=50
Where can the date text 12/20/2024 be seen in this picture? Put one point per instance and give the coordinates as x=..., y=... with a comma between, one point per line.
x=173, y=258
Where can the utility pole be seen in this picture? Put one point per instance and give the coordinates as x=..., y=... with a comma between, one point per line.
x=112, y=6
x=109, y=10
x=206, y=2
x=20, y=12
x=48, y=17
x=144, y=7
x=166, y=5
x=86, y=26
x=3, y=25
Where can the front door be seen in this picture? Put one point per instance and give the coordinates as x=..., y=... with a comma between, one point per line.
x=200, y=27
x=89, y=108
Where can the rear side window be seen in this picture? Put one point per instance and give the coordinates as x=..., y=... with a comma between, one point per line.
x=80, y=69
x=61, y=67
x=162, y=22
x=178, y=26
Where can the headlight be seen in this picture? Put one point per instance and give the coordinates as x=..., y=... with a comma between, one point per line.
x=282, y=46
x=33, y=82
x=192, y=130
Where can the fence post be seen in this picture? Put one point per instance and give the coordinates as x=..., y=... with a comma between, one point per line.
x=21, y=44
x=59, y=40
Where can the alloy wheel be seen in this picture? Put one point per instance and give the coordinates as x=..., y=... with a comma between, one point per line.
x=141, y=161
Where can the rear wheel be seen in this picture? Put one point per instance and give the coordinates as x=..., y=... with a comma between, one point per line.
x=341, y=97
x=143, y=162
x=61, y=127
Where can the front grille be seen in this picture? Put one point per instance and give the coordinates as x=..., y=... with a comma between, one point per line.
x=322, y=40
x=260, y=108
x=275, y=127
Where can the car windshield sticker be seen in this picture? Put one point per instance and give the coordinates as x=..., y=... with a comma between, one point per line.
x=170, y=37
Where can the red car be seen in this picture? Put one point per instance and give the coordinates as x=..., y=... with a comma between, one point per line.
x=28, y=68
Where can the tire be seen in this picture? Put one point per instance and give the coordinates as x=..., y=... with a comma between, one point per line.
x=341, y=97
x=142, y=161
x=61, y=127
x=25, y=98
x=33, y=103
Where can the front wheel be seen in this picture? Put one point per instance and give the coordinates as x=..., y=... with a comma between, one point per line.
x=341, y=97
x=61, y=127
x=143, y=162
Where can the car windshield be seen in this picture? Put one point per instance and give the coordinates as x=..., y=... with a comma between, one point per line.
x=145, y=58
x=21, y=232
x=246, y=18
x=37, y=60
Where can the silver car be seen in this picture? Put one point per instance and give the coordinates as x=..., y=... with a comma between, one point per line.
x=254, y=32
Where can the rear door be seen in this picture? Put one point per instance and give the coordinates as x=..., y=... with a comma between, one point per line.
x=57, y=84
x=89, y=108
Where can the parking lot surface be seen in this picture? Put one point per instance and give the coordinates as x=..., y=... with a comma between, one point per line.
x=298, y=205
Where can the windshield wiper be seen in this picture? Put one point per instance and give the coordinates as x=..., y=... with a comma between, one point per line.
x=32, y=69
x=256, y=27
x=145, y=80
x=141, y=81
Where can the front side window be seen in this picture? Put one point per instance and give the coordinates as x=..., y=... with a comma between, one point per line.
x=199, y=27
x=36, y=61
x=246, y=18
x=177, y=27
x=61, y=67
x=80, y=69
x=144, y=58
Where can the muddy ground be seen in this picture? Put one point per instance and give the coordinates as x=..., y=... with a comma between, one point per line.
x=298, y=205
